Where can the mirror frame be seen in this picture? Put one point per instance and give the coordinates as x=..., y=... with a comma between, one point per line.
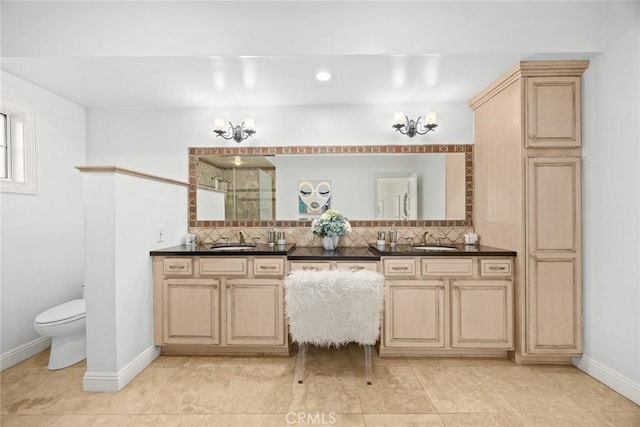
x=195, y=152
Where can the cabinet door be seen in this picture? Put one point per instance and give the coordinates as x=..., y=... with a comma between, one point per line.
x=414, y=314
x=553, y=112
x=191, y=311
x=554, y=316
x=482, y=314
x=255, y=314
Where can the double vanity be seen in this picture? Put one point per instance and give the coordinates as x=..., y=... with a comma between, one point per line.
x=518, y=185
x=446, y=301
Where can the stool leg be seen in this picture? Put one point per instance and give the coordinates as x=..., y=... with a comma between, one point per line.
x=367, y=362
x=300, y=362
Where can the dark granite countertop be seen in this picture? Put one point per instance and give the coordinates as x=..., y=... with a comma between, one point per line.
x=205, y=249
x=460, y=250
x=365, y=253
x=341, y=253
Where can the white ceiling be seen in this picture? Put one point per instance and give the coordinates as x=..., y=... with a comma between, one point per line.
x=179, y=82
x=376, y=56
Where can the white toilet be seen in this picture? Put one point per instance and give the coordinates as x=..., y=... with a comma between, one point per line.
x=66, y=325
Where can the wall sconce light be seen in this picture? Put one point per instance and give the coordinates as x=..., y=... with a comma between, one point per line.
x=237, y=133
x=402, y=124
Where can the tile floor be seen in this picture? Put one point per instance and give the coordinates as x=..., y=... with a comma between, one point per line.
x=261, y=391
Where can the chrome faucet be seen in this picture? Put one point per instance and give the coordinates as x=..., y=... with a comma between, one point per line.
x=425, y=236
x=240, y=237
x=439, y=238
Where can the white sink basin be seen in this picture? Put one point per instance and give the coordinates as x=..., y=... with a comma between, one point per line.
x=239, y=247
x=433, y=248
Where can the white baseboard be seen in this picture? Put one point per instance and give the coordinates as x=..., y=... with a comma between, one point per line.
x=608, y=376
x=115, y=381
x=23, y=352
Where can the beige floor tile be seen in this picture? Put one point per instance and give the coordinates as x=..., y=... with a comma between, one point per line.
x=403, y=420
x=459, y=389
x=586, y=392
x=326, y=390
x=619, y=419
x=430, y=362
x=259, y=389
x=232, y=361
x=481, y=419
x=525, y=389
x=65, y=420
x=323, y=418
x=169, y=361
x=231, y=390
x=394, y=389
x=262, y=391
x=560, y=419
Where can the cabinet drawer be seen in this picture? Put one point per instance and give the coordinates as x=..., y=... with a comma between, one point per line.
x=447, y=266
x=223, y=266
x=178, y=267
x=399, y=267
x=268, y=267
x=310, y=266
x=357, y=266
x=495, y=267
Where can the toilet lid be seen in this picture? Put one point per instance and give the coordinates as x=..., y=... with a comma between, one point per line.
x=76, y=308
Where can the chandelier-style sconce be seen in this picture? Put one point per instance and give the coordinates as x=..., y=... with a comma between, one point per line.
x=238, y=133
x=402, y=124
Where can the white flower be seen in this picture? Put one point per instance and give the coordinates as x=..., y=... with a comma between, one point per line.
x=331, y=223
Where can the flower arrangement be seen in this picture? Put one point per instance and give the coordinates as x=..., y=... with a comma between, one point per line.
x=331, y=224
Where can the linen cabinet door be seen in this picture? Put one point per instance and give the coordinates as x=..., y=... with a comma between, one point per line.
x=553, y=112
x=482, y=314
x=191, y=311
x=254, y=312
x=554, y=284
x=415, y=314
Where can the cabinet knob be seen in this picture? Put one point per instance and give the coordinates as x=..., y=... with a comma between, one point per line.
x=534, y=256
x=215, y=286
x=228, y=286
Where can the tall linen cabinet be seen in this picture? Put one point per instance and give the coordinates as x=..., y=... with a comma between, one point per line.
x=527, y=136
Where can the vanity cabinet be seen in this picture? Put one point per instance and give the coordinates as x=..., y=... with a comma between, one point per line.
x=447, y=306
x=219, y=305
x=553, y=114
x=527, y=150
x=482, y=314
x=254, y=312
x=414, y=314
x=191, y=311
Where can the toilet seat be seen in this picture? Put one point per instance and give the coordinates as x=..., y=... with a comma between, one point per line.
x=64, y=313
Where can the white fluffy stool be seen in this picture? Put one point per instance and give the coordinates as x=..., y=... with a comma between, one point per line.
x=334, y=308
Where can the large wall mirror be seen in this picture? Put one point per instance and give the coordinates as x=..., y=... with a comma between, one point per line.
x=416, y=185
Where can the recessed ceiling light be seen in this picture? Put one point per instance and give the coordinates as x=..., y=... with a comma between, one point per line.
x=323, y=76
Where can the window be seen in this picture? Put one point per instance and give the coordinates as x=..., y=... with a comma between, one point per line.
x=4, y=173
x=17, y=142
